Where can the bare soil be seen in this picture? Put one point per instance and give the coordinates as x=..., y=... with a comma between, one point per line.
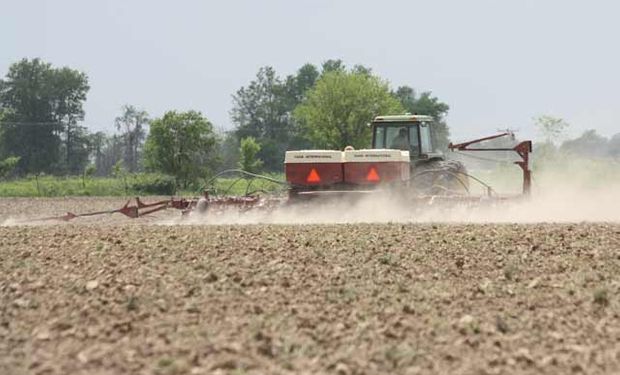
x=120, y=297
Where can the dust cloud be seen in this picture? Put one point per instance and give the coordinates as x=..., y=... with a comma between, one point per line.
x=569, y=190
x=564, y=190
x=562, y=205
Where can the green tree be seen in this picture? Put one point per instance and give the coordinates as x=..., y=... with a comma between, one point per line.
x=337, y=110
x=296, y=85
x=333, y=65
x=361, y=69
x=182, y=145
x=262, y=110
x=426, y=104
x=551, y=128
x=132, y=125
x=42, y=105
x=248, y=160
x=76, y=149
x=71, y=87
x=258, y=109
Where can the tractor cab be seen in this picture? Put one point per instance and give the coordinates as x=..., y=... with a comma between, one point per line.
x=405, y=132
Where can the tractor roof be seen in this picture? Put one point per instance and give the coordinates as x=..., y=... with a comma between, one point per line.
x=403, y=118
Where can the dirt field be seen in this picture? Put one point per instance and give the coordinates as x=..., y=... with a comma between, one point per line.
x=131, y=297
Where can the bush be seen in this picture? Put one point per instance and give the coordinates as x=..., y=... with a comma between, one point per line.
x=248, y=160
x=7, y=166
x=153, y=183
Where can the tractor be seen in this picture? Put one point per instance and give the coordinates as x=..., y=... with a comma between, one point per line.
x=430, y=172
x=401, y=157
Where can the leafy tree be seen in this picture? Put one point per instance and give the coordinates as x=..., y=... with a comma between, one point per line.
x=361, y=69
x=181, y=144
x=76, y=149
x=298, y=84
x=590, y=143
x=333, y=65
x=426, y=104
x=337, y=110
x=258, y=110
x=248, y=160
x=71, y=87
x=296, y=89
x=132, y=123
x=551, y=128
x=262, y=110
x=40, y=104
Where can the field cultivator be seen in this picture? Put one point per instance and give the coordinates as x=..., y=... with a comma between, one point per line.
x=136, y=208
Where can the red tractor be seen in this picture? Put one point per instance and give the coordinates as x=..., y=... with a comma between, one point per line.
x=402, y=156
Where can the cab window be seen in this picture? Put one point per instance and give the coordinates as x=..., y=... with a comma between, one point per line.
x=414, y=147
x=425, y=138
x=379, y=137
x=397, y=137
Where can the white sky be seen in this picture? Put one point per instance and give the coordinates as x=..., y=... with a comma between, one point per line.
x=496, y=63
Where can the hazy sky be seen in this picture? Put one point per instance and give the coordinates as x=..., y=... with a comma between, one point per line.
x=496, y=63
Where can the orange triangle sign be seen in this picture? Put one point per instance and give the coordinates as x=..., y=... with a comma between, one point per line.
x=372, y=175
x=313, y=176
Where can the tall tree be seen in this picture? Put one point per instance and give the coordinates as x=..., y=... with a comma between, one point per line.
x=262, y=110
x=132, y=125
x=296, y=89
x=426, y=104
x=551, y=128
x=76, y=149
x=337, y=110
x=181, y=144
x=258, y=109
x=298, y=84
x=71, y=87
x=41, y=105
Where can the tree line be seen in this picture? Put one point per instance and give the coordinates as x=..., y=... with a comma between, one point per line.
x=328, y=106
x=42, y=130
x=589, y=144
